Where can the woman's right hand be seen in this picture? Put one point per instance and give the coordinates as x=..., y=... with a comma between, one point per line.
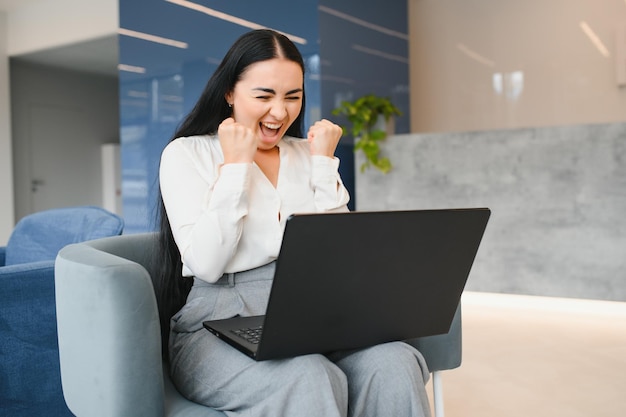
x=238, y=142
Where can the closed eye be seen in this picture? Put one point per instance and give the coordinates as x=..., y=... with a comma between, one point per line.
x=291, y=94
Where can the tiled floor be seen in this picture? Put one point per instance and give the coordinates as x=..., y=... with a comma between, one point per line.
x=539, y=356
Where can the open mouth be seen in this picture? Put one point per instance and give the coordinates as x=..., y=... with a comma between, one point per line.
x=270, y=129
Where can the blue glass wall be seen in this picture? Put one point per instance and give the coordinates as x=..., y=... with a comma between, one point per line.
x=169, y=49
x=364, y=49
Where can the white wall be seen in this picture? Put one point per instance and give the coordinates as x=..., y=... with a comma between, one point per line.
x=48, y=24
x=35, y=26
x=112, y=178
x=71, y=167
x=7, y=219
x=459, y=49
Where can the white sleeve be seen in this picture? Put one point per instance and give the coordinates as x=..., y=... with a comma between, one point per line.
x=205, y=206
x=330, y=193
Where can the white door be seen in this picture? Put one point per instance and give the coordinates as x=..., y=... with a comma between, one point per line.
x=64, y=165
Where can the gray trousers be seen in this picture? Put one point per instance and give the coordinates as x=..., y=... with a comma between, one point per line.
x=383, y=380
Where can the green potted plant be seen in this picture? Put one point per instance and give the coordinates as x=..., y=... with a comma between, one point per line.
x=364, y=114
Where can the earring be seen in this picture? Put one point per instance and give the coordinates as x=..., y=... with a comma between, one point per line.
x=230, y=105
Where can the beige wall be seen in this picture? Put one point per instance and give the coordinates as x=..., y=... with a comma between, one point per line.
x=492, y=64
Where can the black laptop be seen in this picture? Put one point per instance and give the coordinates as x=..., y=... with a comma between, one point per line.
x=352, y=280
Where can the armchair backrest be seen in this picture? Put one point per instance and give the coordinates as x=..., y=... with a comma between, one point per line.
x=109, y=331
x=115, y=341
x=40, y=236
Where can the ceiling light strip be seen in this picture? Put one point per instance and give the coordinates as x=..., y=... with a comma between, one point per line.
x=232, y=19
x=363, y=23
x=152, y=38
x=595, y=39
x=381, y=54
x=337, y=79
x=131, y=68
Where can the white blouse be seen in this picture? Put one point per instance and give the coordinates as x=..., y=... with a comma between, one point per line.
x=230, y=218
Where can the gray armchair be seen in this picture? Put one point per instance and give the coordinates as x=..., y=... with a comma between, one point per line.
x=110, y=336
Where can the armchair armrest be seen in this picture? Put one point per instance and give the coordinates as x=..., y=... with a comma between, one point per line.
x=443, y=351
x=109, y=334
x=31, y=271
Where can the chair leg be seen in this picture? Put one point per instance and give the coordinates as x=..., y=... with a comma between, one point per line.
x=438, y=393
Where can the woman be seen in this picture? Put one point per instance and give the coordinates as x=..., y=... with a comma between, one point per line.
x=230, y=178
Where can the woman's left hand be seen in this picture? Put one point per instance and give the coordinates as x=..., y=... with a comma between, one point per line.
x=324, y=137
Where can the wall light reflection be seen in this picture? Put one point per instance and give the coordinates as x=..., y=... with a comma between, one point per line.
x=380, y=54
x=511, y=84
x=232, y=19
x=475, y=55
x=131, y=68
x=153, y=38
x=595, y=39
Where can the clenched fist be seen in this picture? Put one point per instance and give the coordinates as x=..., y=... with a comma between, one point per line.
x=238, y=142
x=324, y=137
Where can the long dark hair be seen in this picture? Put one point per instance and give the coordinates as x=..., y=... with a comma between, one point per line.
x=204, y=119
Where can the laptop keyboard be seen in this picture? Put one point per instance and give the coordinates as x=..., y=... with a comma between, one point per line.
x=252, y=335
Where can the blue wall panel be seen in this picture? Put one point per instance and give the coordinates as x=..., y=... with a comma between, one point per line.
x=364, y=49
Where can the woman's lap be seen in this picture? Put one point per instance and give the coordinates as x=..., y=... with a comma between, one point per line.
x=386, y=379
x=209, y=371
